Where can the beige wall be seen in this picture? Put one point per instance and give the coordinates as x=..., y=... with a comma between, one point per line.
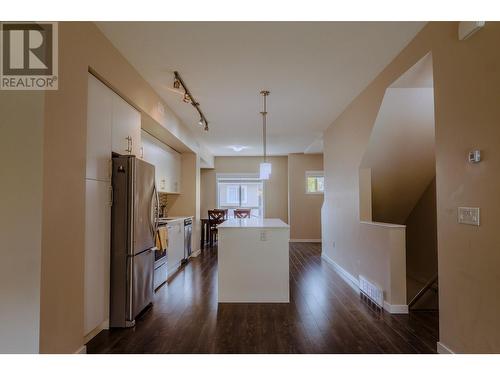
x=421, y=237
x=421, y=248
x=400, y=152
x=275, y=189
x=81, y=46
x=467, y=84
x=188, y=203
x=304, y=210
x=21, y=147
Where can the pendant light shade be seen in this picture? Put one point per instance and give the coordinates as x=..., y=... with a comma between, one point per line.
x=265, y=167
x=265, y=171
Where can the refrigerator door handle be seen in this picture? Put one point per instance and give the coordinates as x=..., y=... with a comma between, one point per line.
x=157, y=218
x=156, y=210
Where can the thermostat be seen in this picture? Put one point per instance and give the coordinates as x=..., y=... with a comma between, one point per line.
x=475, y=156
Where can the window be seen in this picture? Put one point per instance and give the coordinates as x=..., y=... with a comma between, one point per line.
x=240, y=191
x=233, y=194
x=315, y=182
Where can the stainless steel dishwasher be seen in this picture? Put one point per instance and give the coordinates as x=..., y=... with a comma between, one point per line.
x=188, y=230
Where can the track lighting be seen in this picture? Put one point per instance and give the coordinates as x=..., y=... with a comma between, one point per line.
x=188, y=98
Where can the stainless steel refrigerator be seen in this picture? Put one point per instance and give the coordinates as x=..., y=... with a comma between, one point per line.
x=134, y=218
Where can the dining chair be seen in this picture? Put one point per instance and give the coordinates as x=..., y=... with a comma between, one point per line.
x=242, y=213
x=215, y=217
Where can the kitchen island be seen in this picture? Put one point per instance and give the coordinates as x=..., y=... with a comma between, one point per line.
x=253, y=261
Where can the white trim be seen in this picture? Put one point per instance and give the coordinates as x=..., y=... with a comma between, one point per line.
x=354, y=283
x=195, y=253
x=82, y=350
x=395, y=309
x=443, y=349
x=101, y=327
x=317, y=240
x=380, y=224
x=346, y=276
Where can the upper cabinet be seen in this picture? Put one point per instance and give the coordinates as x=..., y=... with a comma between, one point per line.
x=126, y=128
x=99, y=114
x=167, y=163
x=112, y=125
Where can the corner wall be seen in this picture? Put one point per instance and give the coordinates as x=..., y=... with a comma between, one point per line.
x=21, y=148
x=188, y=202
x=304, y=210
x=421, y=237
x=467, y=114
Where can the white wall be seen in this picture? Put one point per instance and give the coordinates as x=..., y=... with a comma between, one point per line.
x=21, y=126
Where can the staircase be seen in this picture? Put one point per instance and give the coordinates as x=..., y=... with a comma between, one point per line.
x=426, y=296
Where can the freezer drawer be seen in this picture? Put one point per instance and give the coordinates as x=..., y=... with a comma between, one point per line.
x=142, y=281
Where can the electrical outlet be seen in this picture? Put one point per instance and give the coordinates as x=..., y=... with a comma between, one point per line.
x=263, y=236
x=468, y=215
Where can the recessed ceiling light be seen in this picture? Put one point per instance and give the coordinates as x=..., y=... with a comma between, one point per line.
x=237, y=148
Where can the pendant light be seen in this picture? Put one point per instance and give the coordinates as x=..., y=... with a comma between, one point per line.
x=265, y=167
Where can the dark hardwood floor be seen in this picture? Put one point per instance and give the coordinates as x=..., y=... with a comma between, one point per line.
x=324, y=315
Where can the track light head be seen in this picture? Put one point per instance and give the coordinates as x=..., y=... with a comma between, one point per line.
x=189, y=99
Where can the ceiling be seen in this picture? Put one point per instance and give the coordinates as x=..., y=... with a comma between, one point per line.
x=313, y=70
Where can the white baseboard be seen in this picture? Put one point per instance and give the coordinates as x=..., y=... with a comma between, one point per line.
x=395, y=309
x=82, y=350
x=195, y=254
x=104, y=325
x=316, y=240
x=443, y=349
x=353, y=282
x=346, y=276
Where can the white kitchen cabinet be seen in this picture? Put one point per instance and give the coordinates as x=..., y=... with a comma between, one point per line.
x=99, y=114
x=175, y=250
x=126, y=127
x=167, y=163
x=97, y=253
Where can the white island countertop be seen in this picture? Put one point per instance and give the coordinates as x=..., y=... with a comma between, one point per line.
x=254, y=223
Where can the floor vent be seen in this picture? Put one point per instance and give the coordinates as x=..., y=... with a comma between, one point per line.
x=372, y=291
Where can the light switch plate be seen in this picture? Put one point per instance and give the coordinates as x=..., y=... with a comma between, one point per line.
x=468, y=215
